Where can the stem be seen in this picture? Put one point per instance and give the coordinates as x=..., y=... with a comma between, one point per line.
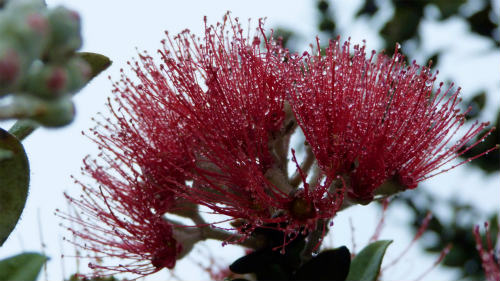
x=281, y=153
x=208, y=232
x=23, y=128
x=305, y=166
x=276, y=177
x=316, y=176
x=314, y=240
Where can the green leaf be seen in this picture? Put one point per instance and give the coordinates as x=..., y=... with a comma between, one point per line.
x=97, y=62
x=366, y=265
x=5, y=154
x=23, y=267
x=14, y=180
x=330, y=264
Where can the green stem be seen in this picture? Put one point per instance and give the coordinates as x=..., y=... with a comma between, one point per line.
x=314, y=239
x=222, y=235
x=23, y=128
x=305, y=166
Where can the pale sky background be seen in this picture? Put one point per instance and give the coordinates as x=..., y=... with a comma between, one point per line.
x=115, y=28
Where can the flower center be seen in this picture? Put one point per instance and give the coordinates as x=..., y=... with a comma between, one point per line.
x=302, y=209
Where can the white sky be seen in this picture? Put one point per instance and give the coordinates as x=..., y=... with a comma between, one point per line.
x=115, y=28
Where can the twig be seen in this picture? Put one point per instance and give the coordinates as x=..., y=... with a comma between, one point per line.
x=316, y=177
x=305, y=166
x=314, y=239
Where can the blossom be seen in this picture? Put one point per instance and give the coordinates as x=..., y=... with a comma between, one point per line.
x=119, y=218
x=377, y=122
x=223, y=98
x=208, y=126
x=489, y=256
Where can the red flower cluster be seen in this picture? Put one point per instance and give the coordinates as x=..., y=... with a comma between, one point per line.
x=211, y=125
x=122, y=218
x=489, y=255
x=373, y=120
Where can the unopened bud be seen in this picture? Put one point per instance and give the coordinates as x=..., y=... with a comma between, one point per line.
x=79, y=73
x=17, y=5
x=55, y=113
x=10, y=68
x=47, y=81
x=25, y=26
x=65, y=35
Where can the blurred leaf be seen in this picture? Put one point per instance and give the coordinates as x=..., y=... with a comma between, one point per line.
x=490, y=162
x=323, y=6
x=476, y=104
x=5, y=154
x=14, y=180
x=434, y=58
x=463, y=255
x=366, y=265
x=403, y=25
x=369, y=8
x=97, y=62
x=327, y=265
x=448, y=8
x=284, y=35
x=23, y=267
x=326, y=23
x=481, y=23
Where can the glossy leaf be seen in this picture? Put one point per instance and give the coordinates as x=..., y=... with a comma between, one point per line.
x=268, y=263
x=97, y=62
x=25, y=267
x=366, y=265
x=14, y=179
x=328, y=265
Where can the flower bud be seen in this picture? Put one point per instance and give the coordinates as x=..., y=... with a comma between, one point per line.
x=79, y=73
x=10, y=68
x=46, y=81
x=25, y=26
x=65, y=35
x=55, y=113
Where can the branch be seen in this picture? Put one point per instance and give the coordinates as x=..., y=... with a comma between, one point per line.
x=305, y=166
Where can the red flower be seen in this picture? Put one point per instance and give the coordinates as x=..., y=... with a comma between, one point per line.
x=489, y=257
x=120, y=218
x=224, y=97
x=211, y=125
x=206, y=126
x=373, y=119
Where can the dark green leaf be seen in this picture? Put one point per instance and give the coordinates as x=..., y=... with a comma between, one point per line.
x=249, y=263
x=268, y=263
x=369, y=8
x=328, y=265
x=14, y=179
x=481, y=22
x=5, y=154
x=97, y=62
x=366, y=265
x=323, y=6
x=23, y=267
